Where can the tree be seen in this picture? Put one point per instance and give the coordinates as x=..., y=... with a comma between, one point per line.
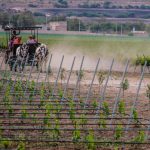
x=101, y=78
x=23, y=19
x=107, y=4
x=26, y=19
x=125, y=85
x=4, y=19
x=61, y=4
x=75, y=25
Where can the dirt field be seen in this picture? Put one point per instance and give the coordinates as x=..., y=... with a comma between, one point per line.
x=27, y=116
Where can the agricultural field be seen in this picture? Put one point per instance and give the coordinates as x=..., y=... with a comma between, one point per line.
x=78, y=102
x=106, y=47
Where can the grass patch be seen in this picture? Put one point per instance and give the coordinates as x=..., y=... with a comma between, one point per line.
x=94, y=45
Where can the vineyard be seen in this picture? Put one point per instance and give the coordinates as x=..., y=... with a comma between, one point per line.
x=74, y=109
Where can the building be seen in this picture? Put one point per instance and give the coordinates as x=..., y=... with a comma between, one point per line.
x=58, y=26
x=18, y=9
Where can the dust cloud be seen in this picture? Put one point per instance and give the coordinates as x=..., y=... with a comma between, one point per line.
x=90, y=60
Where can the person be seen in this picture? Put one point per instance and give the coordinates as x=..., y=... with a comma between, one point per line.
x=34, y=39
x=17, y=40
x=13, y=36
x=31, y=40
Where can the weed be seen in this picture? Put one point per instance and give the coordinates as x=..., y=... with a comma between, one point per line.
x=90, y=141
x=102, y=121
x=118, y=132
x=106, y=108
x=140, y=138
x=121, y=107
x=21, y=146
x=125, y=85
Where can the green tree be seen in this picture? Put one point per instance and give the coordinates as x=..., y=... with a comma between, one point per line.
x=23, y=19
x=4, y=19
x=107, y=4
x=75, y=25
x=125, y=85
x=101, y=78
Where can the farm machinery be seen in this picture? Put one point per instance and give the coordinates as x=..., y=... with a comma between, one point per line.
x=10, y=53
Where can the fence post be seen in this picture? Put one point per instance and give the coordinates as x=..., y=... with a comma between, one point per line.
x=55, y=84
x=89, y=91
x=66, y=87
x=74, y=93
x=137, y=95
x=105, y=86
x=119, y=92
x=48, y=67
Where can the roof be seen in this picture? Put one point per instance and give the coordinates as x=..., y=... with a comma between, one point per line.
x=7, y=28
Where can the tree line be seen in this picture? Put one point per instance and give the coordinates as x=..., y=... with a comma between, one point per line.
x=105, y=27
x=110, y=5
x=28, y=18
x=17, y=19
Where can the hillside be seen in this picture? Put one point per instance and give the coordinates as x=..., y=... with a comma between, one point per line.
x=70, y=3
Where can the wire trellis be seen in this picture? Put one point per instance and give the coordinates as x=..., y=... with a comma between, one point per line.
x=92, y=114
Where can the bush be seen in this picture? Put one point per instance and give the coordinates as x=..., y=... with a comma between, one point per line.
x=130, y=34
x=61, y=4
x=32, y=5
x=38, y=14
x=86, y=5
